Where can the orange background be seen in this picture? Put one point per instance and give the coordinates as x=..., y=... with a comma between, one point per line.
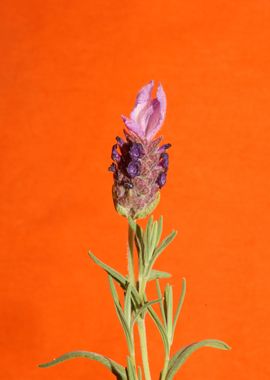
x=68, y=69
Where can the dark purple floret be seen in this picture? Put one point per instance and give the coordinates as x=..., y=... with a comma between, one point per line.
x=115, y=155
x=161, y=179
x=164, y=147
x=164, y=162
x=120, y=141
x=136, y=151
x=112, y=168
x=124, y=150
x=133, y=169
x=128, y=185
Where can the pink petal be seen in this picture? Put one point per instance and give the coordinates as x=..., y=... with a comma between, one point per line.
x=143, y=100
x=144, y=116
x=133, y=126
x=159, y=110
x=161, y=96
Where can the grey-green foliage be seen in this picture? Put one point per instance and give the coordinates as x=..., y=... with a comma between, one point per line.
x=117, y=369
x=149, y=249
x=121, y=279
x=167, y=324
x=121, y=315
x=136, y=305
x=167, y=329
x=183, y=354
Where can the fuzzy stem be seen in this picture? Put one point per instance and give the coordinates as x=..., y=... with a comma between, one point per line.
x=143, y=345
x=131, y=255
x=131, y=275
x=165, y=368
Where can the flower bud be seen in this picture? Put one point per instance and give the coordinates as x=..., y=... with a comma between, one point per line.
x=140, y=165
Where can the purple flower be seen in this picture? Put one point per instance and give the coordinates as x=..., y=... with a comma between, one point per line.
x=164, y=160
x=115, y=155
x=112, y=168
x=133, y=169
x=136, y=151
x=148, y=114
x=140, y=164
x=120, y=141
x=164, y=147
x=161, y=179
x=128, y=185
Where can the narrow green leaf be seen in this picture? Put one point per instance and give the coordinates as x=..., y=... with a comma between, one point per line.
x=139, y=239
x=140, y=249
x=114, y=292
x=143, y=309
x=160, y=328
x=121, y=315
x=149, y=226
x=112, y=272
x=127, y=305
x=123, y=281
x=159, y=229
x=155, y=274
x=114, y=367
x=165, y=243
x=180, y=304
x=182, y=355
x=139, y=234
x=139, y=373
x=153, y=238
x=168, y=306
x=160, y=249
x=161, y=302
x=147, y=238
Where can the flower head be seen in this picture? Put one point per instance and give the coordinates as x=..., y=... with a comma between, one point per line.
x=140, y=165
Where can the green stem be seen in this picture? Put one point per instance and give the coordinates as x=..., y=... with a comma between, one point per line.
x=131, y=275
x=143, y=344
x=165, y=368
x=131, y=256
x=142, y=285
x=133, y=359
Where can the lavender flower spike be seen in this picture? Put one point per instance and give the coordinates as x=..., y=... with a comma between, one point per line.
x=148, y=114
x=140, y=165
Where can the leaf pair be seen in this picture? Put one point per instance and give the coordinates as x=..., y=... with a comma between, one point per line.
x=149, y=249
x=124, y=316
x=122, y=280
x=167, y=326
x=127, y=320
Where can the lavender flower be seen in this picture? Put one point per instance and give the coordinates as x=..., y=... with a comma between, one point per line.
x=136, y=151
x=133, y=169
x=161, y=179
x=164, y=160
x=115, y=155
x=140, y=165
